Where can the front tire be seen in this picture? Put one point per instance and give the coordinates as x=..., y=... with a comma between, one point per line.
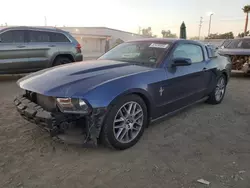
x=218, y=93
x=125, y=123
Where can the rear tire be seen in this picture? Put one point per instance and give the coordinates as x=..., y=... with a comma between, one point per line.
x=219, y=91
x=124, y=123
x=61, y=61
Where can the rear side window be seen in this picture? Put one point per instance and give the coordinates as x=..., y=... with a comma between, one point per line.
x=13, y=36
x=58, y=37
x=39, y=36
x=191, y=51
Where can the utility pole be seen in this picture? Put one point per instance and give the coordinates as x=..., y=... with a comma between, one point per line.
x=139, y=30
x=200, y=27
x=45, y=21
x=209, y=24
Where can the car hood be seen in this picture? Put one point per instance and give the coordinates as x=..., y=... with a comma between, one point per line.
x=227, y=51
x=67, y=80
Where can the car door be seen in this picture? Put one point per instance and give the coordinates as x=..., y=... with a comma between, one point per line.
x=13, y=51
x=184, y=84
x=39, y=49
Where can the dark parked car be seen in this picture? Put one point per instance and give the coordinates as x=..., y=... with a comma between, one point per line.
x=27, y=49
x=238, y=50
x=112, y=99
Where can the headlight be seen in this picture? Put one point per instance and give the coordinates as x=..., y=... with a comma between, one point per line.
x=75, y=106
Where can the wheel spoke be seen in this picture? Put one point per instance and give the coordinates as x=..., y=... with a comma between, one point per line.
x=119, y=126
x=119, y=133
x=139, y=123
x=130, y=107
x=217, y=91
x=127, y=135
x=137, y=112
x=121, y=114
x=123, y=134
x=137, y=118
x=221, y=83
x=222, y=91
x=133, y=111
x=119, y=120
x=136, y=128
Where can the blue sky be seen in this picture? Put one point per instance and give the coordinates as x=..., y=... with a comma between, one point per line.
x=128, y=14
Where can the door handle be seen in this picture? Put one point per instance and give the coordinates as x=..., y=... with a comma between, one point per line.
x=21, y=46
x=52, y=45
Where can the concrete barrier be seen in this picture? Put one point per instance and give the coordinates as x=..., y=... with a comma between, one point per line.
x=7, y=77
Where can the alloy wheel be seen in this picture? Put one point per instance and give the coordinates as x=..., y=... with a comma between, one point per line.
x=220, y=89
x=128, y=122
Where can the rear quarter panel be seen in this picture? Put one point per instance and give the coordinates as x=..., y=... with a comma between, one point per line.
x=224, y=65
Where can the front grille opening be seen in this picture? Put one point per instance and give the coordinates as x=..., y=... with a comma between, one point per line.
x=31, y=96
x=46, y=102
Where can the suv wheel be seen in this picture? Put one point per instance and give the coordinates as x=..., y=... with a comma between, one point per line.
x=125, y=123
x=61, y=61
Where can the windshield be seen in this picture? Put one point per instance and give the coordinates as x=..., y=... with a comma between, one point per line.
x=146, y=53
x=240, y=43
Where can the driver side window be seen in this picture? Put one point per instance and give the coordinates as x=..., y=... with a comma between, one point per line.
x=191, y=51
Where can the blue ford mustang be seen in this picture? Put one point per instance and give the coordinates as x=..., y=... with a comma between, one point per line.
x=112, y=99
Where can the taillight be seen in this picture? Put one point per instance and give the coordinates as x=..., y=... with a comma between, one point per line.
x=78, y=48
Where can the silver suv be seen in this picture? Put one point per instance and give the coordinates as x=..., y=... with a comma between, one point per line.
x=28, y=49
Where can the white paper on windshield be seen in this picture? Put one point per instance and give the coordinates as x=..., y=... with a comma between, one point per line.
x=154, y=45
x=130, y=55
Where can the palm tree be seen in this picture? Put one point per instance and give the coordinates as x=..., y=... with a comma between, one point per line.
x=246, y=10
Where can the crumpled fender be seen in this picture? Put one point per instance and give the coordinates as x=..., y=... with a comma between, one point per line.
x=94, y=124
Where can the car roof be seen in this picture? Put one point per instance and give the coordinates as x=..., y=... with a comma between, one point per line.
x=35, y=28
x=168, y=40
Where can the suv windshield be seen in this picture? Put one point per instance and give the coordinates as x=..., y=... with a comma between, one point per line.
x=145, y=53
x=240, y=43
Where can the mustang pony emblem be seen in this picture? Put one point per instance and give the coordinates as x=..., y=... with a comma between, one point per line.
x=161, y=91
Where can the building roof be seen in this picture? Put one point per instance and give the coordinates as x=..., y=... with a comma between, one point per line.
x=90, y=36
x=103, y=28
x=62, y=28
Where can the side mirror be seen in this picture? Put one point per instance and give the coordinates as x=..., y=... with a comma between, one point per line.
x=181, y=62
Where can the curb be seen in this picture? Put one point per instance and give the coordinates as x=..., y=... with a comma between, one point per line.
x=9, y=77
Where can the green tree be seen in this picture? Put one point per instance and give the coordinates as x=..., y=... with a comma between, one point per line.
x=194, y=38
x=228, y=35
x=243, y=34
x=246, y=10
x=183, y=32
x=147, y=32
x=168, y=34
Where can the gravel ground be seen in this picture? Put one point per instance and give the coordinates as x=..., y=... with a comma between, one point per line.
x=205, y=141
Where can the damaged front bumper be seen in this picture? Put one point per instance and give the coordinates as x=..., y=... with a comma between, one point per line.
x=68, y=128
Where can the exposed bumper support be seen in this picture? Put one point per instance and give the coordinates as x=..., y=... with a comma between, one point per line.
x=58, y=124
